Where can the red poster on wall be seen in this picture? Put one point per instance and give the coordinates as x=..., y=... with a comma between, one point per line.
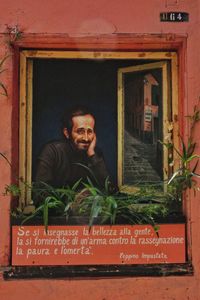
x=81, y=245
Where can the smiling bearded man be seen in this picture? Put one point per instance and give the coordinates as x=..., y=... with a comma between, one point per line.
x=63, y=163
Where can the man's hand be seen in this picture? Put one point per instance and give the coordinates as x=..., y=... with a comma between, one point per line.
x=92, y=146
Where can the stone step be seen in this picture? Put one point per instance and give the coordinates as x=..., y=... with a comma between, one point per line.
x=140, y=161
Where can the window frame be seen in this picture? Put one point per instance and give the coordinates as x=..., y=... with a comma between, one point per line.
x=140, y=43
x=25, y=103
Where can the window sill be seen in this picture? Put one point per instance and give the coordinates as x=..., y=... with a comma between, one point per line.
x=154, y=270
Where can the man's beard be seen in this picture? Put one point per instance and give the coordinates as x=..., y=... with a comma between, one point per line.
x=85, y=147
x=79, y=148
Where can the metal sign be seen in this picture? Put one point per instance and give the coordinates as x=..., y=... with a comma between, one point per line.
x=174, y=17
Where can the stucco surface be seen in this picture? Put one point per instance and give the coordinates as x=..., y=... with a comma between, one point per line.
x=94, y=18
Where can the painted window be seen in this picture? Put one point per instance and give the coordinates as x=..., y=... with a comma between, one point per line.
x=133, y=99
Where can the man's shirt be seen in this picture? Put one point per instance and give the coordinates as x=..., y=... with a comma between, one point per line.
x=61, y=164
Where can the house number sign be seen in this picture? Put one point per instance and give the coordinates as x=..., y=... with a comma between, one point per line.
x=174, y=17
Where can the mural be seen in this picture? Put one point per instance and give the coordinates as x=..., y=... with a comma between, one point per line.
x=144, y=110
x=143, y=127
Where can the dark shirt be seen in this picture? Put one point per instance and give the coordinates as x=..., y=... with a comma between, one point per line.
x=60, y=164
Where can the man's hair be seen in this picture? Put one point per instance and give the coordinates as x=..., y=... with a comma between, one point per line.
x=75, y=111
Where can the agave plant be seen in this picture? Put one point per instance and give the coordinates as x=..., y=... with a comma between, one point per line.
x=56, y=200
x=184, y=177
x=49, y=203
x=117, y=207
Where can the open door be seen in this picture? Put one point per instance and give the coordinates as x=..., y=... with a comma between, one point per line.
x=144, y=110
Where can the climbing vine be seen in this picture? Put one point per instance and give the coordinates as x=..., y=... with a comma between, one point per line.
x=3, y=89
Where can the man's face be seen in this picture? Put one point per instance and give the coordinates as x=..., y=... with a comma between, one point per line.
x=82, y=133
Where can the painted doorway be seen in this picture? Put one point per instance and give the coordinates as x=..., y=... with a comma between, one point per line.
x=144, y=108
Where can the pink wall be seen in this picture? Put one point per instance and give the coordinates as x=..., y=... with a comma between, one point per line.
x=85, y=18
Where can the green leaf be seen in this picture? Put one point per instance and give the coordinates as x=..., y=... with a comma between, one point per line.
x=195, y=175
x=12, y=189
x=195, y=167
x=167, y=145
x=90, y=182
x=184, y=156
x=76, y=184
x=35, y=213
x=95, y=209
x=89, y=170
x=191, y=147
x=179, y=154
x=93, y=190
x=107, y=185
x=45, y=213
x=68, y=207
x=174, y=175
x=192, y=157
